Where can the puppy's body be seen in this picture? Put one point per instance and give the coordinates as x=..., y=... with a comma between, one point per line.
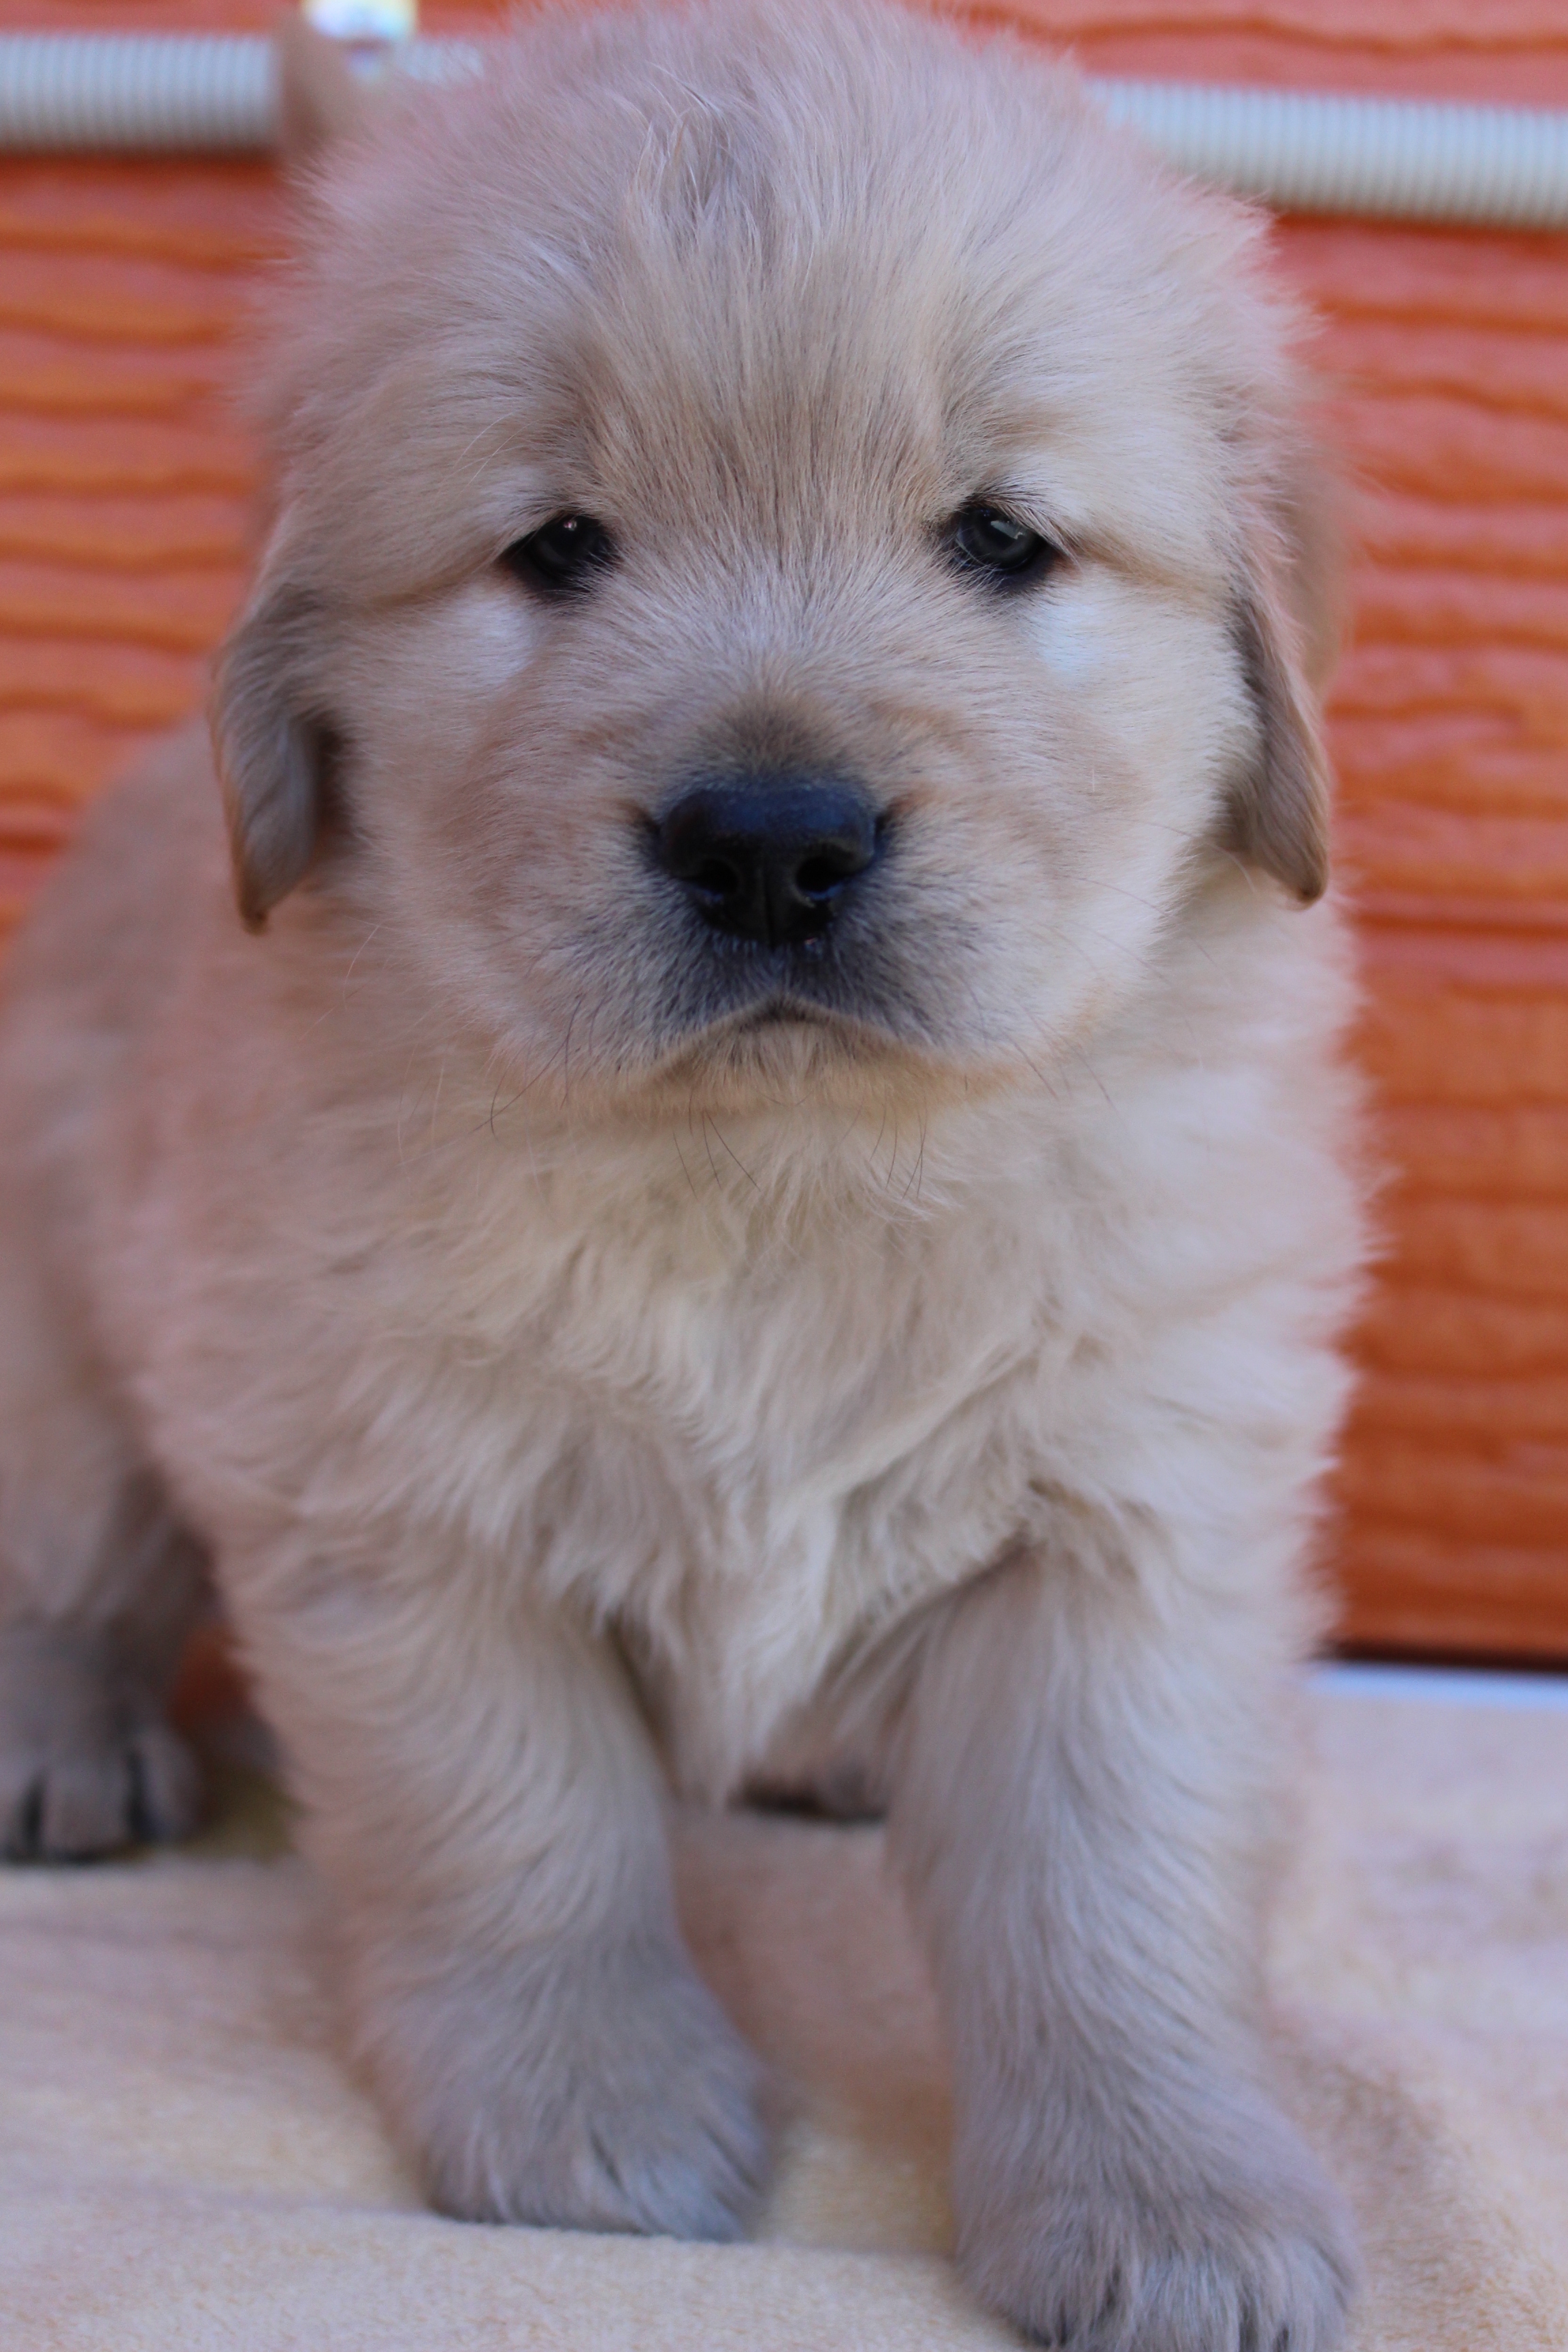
x=582, y=1335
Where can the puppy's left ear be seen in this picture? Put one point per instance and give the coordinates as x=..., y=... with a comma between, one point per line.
x=274, y=746
x=1287, y=628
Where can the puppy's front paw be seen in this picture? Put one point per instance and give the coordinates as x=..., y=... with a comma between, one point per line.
x=601, y=2091
x=1249, y=2251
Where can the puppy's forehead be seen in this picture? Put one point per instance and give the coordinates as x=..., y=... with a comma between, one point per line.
x=759, y=271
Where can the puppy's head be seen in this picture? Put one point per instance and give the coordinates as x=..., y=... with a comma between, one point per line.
x=788, y=560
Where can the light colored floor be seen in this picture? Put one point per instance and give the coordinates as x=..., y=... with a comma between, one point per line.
x=186, y=2165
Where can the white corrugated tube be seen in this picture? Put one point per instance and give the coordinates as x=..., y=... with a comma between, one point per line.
x=149, y=92
x=161, y=93
x=1384, y=158
x=1391, y=159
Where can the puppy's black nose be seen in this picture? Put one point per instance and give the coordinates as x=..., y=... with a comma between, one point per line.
x=769, y=857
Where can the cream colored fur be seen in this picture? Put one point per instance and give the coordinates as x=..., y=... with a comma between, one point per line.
x=583, y=1373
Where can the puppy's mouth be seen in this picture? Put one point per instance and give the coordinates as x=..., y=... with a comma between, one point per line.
x=778, y=1032
x=782, y=1012
x=780, y=1018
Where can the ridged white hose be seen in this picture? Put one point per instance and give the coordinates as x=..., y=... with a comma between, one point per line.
x=1393, y=159
x=161, y=93
x=157, y=91
x=1384, y=158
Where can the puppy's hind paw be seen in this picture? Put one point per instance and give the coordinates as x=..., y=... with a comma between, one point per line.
x=74, y=1804
x=86, y=1762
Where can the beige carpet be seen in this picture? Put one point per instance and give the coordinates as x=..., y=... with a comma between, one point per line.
x=183, y=2162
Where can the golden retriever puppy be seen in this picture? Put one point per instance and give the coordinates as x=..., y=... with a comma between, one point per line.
x=764, y=1172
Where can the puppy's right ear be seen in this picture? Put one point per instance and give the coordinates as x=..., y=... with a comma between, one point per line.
x=1277, y=817
x=319, y=95
x=1287, y=623
x=274, y=746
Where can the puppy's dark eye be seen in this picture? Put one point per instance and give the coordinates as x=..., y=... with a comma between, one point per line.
x=987, y=540
x=562, y=558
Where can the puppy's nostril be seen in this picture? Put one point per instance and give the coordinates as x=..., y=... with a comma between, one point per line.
x=717, y=878
x=769, y=858
x=822, y=873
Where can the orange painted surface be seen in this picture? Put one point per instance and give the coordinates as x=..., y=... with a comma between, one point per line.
x=125, y=482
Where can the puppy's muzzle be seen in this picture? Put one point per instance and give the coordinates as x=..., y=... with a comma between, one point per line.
x=770, y=860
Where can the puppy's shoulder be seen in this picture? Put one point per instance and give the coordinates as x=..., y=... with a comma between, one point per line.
x=113, y=913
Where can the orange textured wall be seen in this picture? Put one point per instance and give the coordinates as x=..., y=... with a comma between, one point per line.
x=124, y=491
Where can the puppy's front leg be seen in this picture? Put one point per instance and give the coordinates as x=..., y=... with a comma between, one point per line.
x=1079, y=1809
x=482, y=1800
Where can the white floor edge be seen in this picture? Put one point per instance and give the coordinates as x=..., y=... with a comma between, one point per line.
x=1448, y=1686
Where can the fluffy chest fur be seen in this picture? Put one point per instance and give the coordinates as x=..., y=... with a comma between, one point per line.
x=753, y=1455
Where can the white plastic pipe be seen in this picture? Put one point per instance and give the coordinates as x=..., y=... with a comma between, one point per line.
x=1392, y=159
x=160, y=92
x=1384, y=158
